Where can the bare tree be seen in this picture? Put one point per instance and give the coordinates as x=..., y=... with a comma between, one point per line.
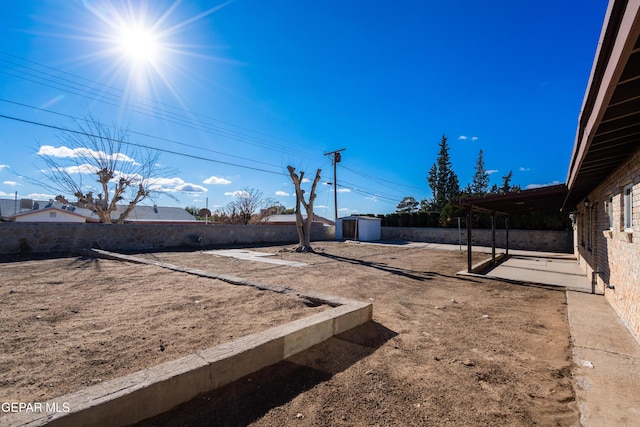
x=246, y=203
x=247, y=207
x=303, y=226
x=124, y=173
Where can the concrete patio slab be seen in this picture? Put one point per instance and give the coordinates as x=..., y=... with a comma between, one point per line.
x=545, y=270
x=246, y=255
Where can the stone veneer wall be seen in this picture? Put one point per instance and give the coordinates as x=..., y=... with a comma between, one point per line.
x=614, y=253
x=532, y=240
x=25, y=237
x=16, y=238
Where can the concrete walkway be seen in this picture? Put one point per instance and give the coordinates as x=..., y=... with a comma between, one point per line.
x=606, y=355
x=607, y=363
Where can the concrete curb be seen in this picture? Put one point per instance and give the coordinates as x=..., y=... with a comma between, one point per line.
x=152, y=391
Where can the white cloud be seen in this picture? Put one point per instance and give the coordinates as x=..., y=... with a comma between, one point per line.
x=465, y=138
x=191, y=188
x=372, y=198
x=343, y=210
x=85, y=168
x=214, y=180
x=237, y=193
x=321, y=207
x=3, y=167
x=490, y=171
x=40, y=196
x=2, y=193
x=175, y=185
x=11, y=183
x=281, y=193
x=66, y=152
x=305, y=180
x=343, y=190
x=532, y=186
x=523, y=169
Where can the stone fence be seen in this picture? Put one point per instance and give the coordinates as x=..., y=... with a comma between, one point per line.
x=46, y=237
x=43, y=237
x=532, y=240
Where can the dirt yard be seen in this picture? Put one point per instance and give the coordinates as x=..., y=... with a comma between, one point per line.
x=442, y=349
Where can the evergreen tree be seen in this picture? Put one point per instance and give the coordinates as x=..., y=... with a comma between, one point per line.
x=480, y=184
x=407, y=205
x=442, y=179
x=506, y=186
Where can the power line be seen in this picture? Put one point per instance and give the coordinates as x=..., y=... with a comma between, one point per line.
x=113, y=96
x=119, y=92
x=138, y=145
x=112, y=99
x=137, y=133
x=369, y=192
x=375, y=178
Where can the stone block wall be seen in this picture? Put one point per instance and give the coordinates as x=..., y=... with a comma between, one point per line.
x=34, y=238
x=532, y=240
x=613, y=253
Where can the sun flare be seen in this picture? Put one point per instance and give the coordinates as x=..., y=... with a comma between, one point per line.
x=138, y=44
x=144, y=40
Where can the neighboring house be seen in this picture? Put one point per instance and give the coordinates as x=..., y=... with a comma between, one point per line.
x=156, y=215
x=52, y=211
x=604, y=174
x=28, y=210
x=51, y=214
x=9, y=207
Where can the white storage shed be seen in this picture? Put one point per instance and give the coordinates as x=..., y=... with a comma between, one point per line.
x=363, y=228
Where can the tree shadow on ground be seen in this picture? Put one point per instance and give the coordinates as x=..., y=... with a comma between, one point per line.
x=414, y=275
x=410, y=274
x=251, y=397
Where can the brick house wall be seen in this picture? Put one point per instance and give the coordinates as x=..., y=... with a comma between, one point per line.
x=611, y=255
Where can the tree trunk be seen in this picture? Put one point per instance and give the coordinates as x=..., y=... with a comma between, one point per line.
x=303, y=227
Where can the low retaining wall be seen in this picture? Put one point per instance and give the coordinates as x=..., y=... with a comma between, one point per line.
x=43, y=237
x=126, y=400
x=531, y=240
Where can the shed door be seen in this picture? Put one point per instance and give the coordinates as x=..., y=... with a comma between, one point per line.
x=349, y=229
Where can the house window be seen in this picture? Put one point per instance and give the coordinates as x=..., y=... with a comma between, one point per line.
x=627, y=207
x=52, y=214
x=610, y=211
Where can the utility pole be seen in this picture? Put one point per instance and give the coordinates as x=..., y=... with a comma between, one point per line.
x=335, y=159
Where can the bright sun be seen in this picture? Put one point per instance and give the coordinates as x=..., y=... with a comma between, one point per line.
x=142, y=40
x=138, y=44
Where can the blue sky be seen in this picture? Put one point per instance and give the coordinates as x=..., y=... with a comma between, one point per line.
x=233, y=92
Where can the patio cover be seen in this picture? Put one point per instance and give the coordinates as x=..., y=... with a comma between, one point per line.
x=540, y=199
x=536, y=199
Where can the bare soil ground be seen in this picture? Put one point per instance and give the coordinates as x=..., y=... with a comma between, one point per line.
x=72, y=322
x=442, y=349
